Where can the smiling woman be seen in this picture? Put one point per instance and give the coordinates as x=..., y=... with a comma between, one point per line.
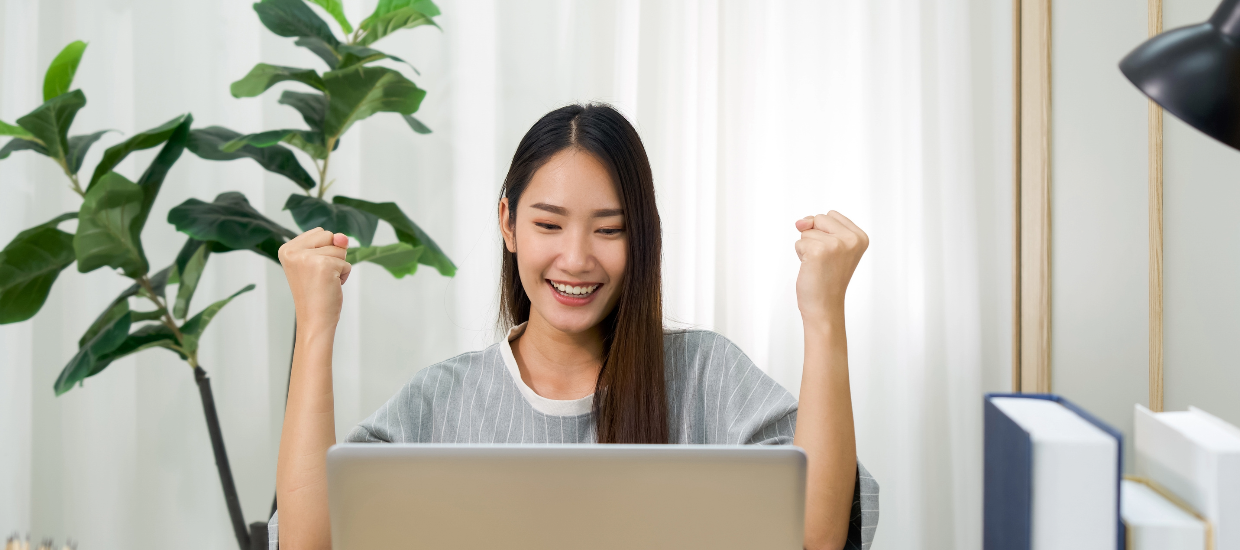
x=587, y=358
x=578, y=209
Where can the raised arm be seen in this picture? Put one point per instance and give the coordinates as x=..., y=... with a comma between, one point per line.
x=315, y=267
x=829, y=249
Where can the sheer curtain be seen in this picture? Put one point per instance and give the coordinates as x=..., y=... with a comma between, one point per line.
x=894, y=112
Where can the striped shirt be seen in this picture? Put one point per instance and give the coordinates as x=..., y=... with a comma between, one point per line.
x=715, y=395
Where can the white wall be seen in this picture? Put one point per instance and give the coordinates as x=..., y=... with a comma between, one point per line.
x=1201, y=258
x=1099, y=224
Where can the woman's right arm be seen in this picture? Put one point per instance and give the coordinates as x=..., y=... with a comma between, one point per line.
x=315, y=266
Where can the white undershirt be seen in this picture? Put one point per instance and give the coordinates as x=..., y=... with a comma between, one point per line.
x=549, y=407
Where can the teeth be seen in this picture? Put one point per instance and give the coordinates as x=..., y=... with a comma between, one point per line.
x=574, y=290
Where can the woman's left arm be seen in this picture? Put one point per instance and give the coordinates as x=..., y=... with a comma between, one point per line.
x=829, y=248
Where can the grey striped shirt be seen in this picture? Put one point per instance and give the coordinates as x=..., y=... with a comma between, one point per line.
x=715, y=394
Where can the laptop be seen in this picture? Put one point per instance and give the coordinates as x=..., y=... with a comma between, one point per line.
x=560, y=497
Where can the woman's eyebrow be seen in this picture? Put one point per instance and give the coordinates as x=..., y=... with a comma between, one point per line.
x=608, y=212
x=560, y=210
x=550, y=208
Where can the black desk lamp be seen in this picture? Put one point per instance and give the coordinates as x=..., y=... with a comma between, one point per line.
x=1194, y=73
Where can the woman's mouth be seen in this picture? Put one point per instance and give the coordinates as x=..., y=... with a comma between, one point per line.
x=574, y=294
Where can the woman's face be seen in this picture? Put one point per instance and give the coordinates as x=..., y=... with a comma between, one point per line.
x=570, y=241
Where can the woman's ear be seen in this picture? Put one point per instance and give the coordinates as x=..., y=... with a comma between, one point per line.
x=510, y=240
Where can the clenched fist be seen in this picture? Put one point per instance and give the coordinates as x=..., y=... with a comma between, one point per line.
x=829, y=248
x=315, y=267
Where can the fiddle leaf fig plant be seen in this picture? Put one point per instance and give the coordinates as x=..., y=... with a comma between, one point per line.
x=112, y=214
x=110, y=221
x=351, y=89
x=115, y=208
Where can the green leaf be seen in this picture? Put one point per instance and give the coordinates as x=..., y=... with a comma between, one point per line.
x=385, y=7
x=399, y=259
x=313, y=107
x=230, y=221
x=358, y=92
x=190, y=264
x=206, y=143
x=112, y=343
x=59, y=77
x=264, y=76
x=358, y=55
x=159, y=282
x=336, y=9
x=309, y=142
x=259, y=140
x=425, y=6
x=192, y=330
x=153, y=179
x=293, y=18
x=403, y=18
x=310, y=212
x=149, y=336
x=17, y=144
x=153, y=315
x=416, y=125
x=104, y=336
x=351, y=55
x=104, y=235
x=78, y=146
x=29, y=265
x=325, y=51
x=51, y=121
x=7, y=129
x=406, y=232
x=388, y=6
x=144, y=140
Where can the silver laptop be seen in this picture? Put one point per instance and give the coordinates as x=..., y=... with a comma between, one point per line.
x=560, y=497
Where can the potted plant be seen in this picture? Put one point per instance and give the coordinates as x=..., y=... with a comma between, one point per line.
x=114, y=209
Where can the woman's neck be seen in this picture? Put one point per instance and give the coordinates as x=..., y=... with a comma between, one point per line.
x=557, y=364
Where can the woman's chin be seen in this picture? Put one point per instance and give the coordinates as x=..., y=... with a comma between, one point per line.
x=573, y=321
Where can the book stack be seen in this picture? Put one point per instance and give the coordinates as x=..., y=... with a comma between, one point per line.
x=1053, y=479
x=1192, y=459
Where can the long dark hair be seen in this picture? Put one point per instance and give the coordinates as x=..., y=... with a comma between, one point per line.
x=630, y=399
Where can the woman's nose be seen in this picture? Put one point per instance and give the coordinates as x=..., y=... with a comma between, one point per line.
x=578, y=256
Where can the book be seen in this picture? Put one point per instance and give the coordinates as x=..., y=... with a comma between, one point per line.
x=1195, y=456
x=1051, y=476
x=1156, y=523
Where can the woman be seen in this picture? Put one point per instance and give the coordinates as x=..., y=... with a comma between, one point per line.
x=586, y=358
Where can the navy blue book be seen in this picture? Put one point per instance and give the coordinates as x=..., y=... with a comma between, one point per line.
x=1052, y=476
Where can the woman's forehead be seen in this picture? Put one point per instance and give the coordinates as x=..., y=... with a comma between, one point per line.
x=574, y=180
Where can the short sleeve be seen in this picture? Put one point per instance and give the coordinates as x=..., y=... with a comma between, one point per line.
x=864, y=516
x=273, y=532
x=722, y=397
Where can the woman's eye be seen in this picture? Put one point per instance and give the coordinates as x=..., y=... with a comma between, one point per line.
x=611, y=231
x=548, y=226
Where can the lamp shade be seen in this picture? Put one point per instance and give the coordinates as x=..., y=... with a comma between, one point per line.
x=1194, y=73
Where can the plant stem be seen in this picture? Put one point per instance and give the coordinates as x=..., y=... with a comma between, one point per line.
x=331, y=142
x=73, y=178
x=166, y=318
x=77, y=186
x=221, y=459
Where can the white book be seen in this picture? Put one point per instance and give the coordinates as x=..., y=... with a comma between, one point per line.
x=1075, y=473
x=1155, y=523
x=1196, y=456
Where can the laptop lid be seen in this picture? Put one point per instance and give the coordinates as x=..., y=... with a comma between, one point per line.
x=553, y=497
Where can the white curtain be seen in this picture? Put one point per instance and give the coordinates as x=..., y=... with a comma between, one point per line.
x=894, y=112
